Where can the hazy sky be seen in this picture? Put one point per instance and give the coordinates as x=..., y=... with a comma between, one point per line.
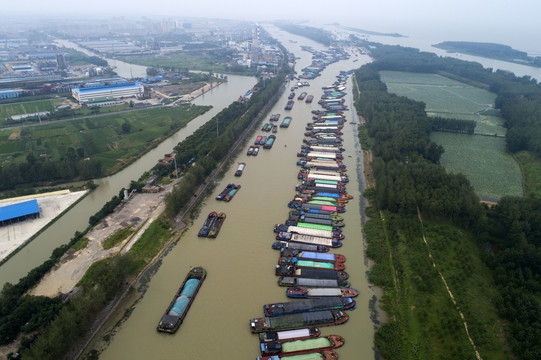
x=486, y=18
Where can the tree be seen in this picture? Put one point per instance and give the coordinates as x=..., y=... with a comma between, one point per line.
x=151, y=71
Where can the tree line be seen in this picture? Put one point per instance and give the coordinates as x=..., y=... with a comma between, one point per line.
x=408, y=177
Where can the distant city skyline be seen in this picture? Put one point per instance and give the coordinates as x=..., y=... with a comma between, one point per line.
x=516, y=24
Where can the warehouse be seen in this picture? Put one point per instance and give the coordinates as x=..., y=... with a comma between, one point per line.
x=19, y=212
x=83, y=95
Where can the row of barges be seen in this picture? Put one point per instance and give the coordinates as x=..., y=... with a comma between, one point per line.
x=315, y=278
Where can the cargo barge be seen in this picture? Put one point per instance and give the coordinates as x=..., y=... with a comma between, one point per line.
x=286, y=122
x=318, y=355
x=289, y=335
x=301, y=306
x=299, y=347
x=290, y=281
x=296, y=321
x=205, y=229
x=240, y=169
x=215, y=229
x=183, y=299
x=309, y=293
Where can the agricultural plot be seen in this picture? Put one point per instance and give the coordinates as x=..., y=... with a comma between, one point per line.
x=447, y=98
x=492, y=172
x=101, y=138
x=483, y=159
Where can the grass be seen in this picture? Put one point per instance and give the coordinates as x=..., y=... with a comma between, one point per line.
x=117, y=238
x=100, y=138
x=81, y=244
x=532, y=173
x=423, y=323
x=151, y=242
x=184, y=60
x=483, y=159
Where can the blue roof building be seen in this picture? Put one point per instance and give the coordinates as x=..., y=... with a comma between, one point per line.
x=19, y=212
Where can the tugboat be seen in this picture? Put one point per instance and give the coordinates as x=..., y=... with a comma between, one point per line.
x=183, y=299
x=207, y=225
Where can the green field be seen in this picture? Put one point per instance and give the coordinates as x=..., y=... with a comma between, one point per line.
x=7, y=110
x=184, y=60
x=100, y=138
x=492, y=172
x=447, y=98
x=483, y=159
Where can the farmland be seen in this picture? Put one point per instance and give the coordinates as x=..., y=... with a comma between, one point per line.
x=481, y=157
x=448, y=98
x=106, y=138
x=492, y=172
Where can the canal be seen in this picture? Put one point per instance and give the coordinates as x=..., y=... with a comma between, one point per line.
x=240, y=262
x=76, y=219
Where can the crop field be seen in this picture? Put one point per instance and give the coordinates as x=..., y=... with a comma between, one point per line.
x=492, y=172
x=447, y=98
x=483, y=159
x=189, y=61
x=101, y=138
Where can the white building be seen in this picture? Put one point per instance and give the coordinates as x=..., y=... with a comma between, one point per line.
x=83, y=95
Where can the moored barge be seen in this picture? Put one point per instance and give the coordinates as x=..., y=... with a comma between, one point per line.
x=296, y=321
x=319, y=355
x=299, y=347
x=301, y=306
x=308, y=293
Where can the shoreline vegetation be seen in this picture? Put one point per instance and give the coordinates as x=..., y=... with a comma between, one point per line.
x=434, y=255
x=106, y=280
x=369, y=32
x=490, y=51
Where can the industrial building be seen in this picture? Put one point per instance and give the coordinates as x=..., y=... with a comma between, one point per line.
x=84, y=95
x=19, y=212
x=10, y=94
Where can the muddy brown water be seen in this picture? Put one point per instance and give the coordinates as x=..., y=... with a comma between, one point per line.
x=240, y=262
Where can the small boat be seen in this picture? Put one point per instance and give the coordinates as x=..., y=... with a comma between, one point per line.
x=274, y=129
x=290, y=281
x=178, y=308
x=310, y=264
x=318, y=355
x=232, y=193
x=291, y=95
x=301, y=306
x=256, y=151
x=309, y=99
x=240, y=169
x=289, y=335
x=284, y=245
x=302, y=95
x=296, y=321
x=258, y=140
x=250, y=151
x=310, y=273
x=308, y=293
x=215, y=229
x=207, y=225
x=285, y=123
x=270, y=142
x=299, y=347
x=274, y=117
x=289, y=105
x=225, y=191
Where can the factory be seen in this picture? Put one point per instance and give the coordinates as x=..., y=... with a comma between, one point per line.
x=84, y=94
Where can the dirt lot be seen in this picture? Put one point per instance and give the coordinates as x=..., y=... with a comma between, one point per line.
x=138, y=212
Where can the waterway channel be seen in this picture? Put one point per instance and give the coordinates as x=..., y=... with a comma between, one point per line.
x=240, y=262
x=76, y=219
